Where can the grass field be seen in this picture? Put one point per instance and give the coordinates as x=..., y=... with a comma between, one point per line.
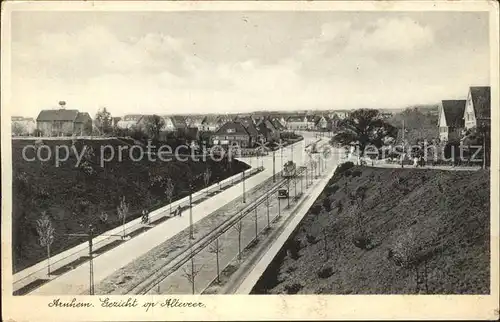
x=76, y=196
x=414, y=231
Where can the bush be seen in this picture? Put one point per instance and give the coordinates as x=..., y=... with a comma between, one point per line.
x=293, y=249
x=293, y=289
x=361, y=241
x=344, y=167
x=332, y=189
x=402, y=251
x=311, y=239
x=340, y=206
x=356, y=173
x=325, y=272
x=326, y=204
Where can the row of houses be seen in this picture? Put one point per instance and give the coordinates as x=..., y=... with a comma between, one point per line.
x=458, y=116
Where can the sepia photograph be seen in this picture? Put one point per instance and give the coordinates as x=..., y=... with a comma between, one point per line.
x=202, y=150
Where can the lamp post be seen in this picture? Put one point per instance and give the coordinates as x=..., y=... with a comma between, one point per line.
x=274, y=167
x=243, y=175
x=90, y=236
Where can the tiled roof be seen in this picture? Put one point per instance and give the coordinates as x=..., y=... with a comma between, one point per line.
x=249, y=125
x=83, y=117
x=481, y=99
x=57, y=115
x=454, y=112
x=236, y=126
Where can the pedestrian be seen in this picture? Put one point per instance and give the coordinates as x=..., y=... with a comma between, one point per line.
x=179, y=211
x=415, y=162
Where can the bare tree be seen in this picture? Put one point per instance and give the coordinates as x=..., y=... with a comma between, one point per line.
x=206, y=177
x=103, y=216
x=267, y=205
x=256, y=224
x=123, y=210
x=216, y=248
x=18, y=129
x=169, y=192
x=239, y=228
x=154, y=124
x=190, y=274
x=46, y=235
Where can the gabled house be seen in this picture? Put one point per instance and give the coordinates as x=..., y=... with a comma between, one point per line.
x=248, y=123
x=320, y=123
x=22, y=125
x=179, y=123
x=169, y=123
x=223, y=119
x=194, y=120
x=272, y=132
x=209, y=123
x=232, y=133
x=130, y=121
x=450, y=120
x=62, y=122
x=297, y=122
x=477, y=107
x=278, y=124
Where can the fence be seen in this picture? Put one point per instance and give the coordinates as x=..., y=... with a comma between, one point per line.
x=33, y=273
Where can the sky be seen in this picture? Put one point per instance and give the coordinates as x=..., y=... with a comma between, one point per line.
x=201, y=62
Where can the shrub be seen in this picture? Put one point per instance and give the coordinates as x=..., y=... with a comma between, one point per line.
x=402, y=251
x=325, y=272
x=311, y=239
x=332, y=189
x=356, y=173
x=293, y=289
x=293, y=249
x=327, y=204
x=344, y=167
x=361, y=241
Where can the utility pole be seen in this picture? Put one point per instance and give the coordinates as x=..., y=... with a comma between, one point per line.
x=90, y=236
x=403, y=144
x=244, y=199
x=274, y=167
x=191, y=235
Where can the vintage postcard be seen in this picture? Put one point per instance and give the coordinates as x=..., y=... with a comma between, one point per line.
x=308, y=160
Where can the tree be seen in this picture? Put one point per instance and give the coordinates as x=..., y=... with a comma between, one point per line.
x=364, y=127
x=153, y=126
x=45, y=232
x=122, y=210
x=206, y=177
x=18, y=129
x=169, y=191
x=239, y=228
x=191, y=274
x=216, y=248
x=480, y=136
x=104, y=121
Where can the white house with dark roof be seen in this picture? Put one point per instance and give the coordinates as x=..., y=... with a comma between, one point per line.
x=450, y=119
x=22, y=125
x=477, y=107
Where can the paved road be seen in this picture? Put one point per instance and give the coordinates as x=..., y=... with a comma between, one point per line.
x=204, y=263
x=77, y=280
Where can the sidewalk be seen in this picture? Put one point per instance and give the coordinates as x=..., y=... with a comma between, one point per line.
x=70, y=257
x=76, y=281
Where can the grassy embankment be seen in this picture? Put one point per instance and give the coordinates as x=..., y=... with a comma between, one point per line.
x=76, y=196
x=390, y=231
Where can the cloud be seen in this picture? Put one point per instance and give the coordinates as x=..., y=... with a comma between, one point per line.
x=402, y=35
